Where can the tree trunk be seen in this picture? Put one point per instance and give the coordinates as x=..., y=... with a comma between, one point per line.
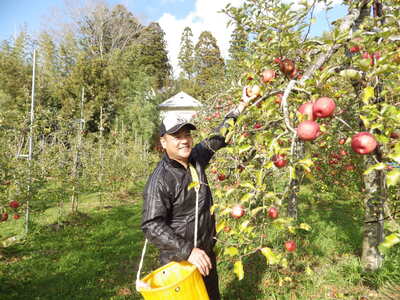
x=294, y=185
x=374, y=182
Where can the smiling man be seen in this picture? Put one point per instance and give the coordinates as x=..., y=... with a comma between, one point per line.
x=168, y=218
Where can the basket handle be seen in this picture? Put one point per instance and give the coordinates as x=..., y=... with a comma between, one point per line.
x=195, y=178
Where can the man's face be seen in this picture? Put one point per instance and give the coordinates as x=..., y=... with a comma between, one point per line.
x=178, y=145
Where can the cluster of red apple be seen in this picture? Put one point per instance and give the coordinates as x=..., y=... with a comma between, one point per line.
x=324, y=107
x=14, y=205
x=238, y=211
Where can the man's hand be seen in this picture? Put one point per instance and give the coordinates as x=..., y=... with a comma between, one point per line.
x=201, y=260
x=247, y=99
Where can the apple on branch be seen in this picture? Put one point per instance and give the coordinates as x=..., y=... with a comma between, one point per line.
x=237, y=211
x=363, y=143
x=290, y=246
x=324, y=107
x=273, y=212
x=279, y=160
x=308, y=130
x=287, y=66
x=307, y=110
x=267, y=75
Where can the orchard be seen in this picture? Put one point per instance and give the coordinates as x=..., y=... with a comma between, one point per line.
x=306, y=194
x=330, y=113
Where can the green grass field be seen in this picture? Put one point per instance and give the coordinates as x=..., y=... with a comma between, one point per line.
x=95, y=254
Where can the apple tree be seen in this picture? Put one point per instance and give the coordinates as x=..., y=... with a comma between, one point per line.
x=321, y=101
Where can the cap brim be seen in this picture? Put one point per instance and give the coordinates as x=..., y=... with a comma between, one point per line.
x=178, y=127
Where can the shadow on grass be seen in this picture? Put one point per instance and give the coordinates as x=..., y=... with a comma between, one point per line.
x=339, y=224
x=91, y=257
x=250, y=286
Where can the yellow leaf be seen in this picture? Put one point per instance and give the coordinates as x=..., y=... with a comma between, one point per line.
x=369, y=93
x=292, y=229
x=271, y=257
x=238, y=269
x=232, y=251
x=220, y=226
x=305, y=227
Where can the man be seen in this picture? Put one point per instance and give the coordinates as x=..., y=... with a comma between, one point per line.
x=168, y=219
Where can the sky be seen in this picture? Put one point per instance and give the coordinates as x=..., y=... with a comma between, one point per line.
x=172, y=15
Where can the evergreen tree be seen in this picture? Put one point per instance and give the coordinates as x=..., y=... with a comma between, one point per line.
x=186, y=53
x=153, y=55
x=237, y=51
x=209, y=65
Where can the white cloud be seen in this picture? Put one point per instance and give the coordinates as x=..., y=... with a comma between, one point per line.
x=205, y=17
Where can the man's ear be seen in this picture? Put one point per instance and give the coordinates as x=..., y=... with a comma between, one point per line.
x=163, y=142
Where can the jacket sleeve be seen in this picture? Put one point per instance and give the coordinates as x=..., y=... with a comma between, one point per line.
x=156, y=208
x=205, y=150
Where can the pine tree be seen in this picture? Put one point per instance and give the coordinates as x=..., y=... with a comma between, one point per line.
x=153, y=54
x=237, y=50
x=186, y=53
x=209, y=65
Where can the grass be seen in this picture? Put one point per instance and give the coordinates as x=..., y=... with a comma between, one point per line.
x=94, y=255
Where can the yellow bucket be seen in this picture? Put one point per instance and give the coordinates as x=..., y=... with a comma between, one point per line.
x=175, y=281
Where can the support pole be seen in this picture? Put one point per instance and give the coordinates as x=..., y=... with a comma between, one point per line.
x=31, y=143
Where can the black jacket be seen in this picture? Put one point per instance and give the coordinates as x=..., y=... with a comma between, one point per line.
x=169, y=207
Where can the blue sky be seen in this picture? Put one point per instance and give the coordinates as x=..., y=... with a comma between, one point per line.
x=33, y=13
x=173, y=16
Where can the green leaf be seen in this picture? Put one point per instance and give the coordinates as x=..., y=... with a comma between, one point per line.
x=389, y=242
x=271, y=257
x=244, y=225
x=246, y=197
x=292, y=172
x=220, y=226
x=305, y=227
x=393, y=177
x=244, y=148
x=238, y=269
x=231, y=251
x=256, y=210
x=369, y=93
x=194, y=184
x=379, y=166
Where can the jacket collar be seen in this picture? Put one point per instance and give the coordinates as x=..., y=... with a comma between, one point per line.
x=174, y=163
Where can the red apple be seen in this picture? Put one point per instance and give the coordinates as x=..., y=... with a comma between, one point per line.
x=237, y=211
x=355, y=49
x=253, y=91
x=308, y=130
x=257, y=126
x=363, y=143
x=278, y=98
x=349, y=167
x=14, y=204
x=324, y=107
x=227, y=229
x=4, y=217
x=342, y=141
x=343, y=152
x=16, y=216
x=290, y=246
x=287, y=66
x=307, y=109
x=217, y=115
x=279, y=160
x=294, y=73
x=277, y=60
x=221, y=177
x=273, y=212
x=267, y=76
x=394, y=135
x=366, y=55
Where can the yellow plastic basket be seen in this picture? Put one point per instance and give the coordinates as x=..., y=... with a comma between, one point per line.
x=175, y=281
